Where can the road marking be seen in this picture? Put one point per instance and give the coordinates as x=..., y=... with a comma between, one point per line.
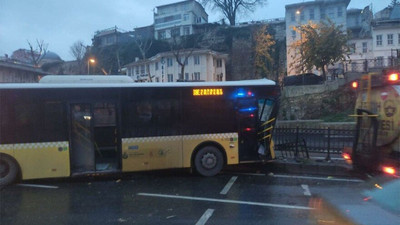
x=317, y=178
x=228, y=185
x=248, y=174
x=225, y=201
x=203, y=219
x=37, y=186
x=306, y=190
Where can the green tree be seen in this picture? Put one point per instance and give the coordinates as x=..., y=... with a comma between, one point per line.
x=320, y=45
x=263, y=60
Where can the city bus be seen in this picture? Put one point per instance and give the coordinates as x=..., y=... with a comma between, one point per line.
x=377, y=142
x=75, y=125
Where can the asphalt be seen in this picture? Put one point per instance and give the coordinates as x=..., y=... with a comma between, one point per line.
x=376, y=201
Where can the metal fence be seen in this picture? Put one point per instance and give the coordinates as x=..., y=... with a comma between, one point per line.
x=368, y=65
x=306, y=142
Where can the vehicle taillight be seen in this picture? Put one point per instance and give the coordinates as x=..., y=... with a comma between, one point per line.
x=346, y=156
x=354, y=84
x=393, y=77
x=389, y=170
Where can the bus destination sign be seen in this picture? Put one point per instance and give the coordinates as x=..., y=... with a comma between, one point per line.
x=207, y=91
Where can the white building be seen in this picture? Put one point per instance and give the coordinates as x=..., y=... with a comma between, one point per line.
x=178, y=18
x=314, y=11
x=201, y=65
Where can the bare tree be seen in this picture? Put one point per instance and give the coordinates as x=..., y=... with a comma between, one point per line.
x=78, y=50
x=180, y=49
x=38, y=52
x=231, y=8
x=144, y=45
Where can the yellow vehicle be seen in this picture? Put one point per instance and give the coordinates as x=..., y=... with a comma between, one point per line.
x=377, y=142
x=72, y=125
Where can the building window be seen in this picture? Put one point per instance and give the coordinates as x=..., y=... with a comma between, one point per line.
x=170, y=77
x=379, y=40
x=162, y=34
x=185, y=17
x=186, y=30
x=196, y=76
x=302, y=16
x=219, y=62
x=379, y=61
x=365, y=47
x=157, y=79
x=292, y=17
x=196, y=59
x=293, y=34
x=142, y=69
x=331, y=13
x=198, y=20
x=352, y=48
x=186, y=76
x=156, y=66
x=137, y=70
x=311, y=14
x=340, y=11
x=398, y=39
x=175, y=32
x=169, y=62
x=323, y=13
x=390, y=39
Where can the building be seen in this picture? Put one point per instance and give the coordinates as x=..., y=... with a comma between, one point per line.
x=16, y=72
x=311, y=11
x=112, y=36
x=201, y=65
x=178, y=18
x=386, y=36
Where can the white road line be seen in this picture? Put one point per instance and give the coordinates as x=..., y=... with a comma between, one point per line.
x=203, y=219
x=37, y=186
x=228, y=185
x=225, y=201
x=317, y=178
x=306, y=190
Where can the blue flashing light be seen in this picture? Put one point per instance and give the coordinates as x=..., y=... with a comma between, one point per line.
x=250, y=109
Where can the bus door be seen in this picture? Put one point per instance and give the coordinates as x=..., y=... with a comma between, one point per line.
x=247, y=125
x=365, y=153
x=267, y=113
x=94, y=137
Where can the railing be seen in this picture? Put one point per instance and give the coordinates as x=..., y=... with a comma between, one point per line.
x=306, y=142
x=368, y=65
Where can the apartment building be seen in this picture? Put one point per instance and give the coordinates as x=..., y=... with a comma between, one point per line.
x=178, y=18
x=314, y=11
x=200, y=65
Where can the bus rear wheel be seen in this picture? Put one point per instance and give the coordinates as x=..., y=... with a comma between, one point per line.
x=208, y=161
x=8, y=170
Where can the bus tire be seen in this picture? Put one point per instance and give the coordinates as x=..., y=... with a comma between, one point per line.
x=208, y=161
x=8, y=170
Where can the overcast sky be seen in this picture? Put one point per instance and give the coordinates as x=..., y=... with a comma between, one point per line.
x=61, y=23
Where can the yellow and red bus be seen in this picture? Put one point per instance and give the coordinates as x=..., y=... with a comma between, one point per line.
x=377, y=142
x=73, y=125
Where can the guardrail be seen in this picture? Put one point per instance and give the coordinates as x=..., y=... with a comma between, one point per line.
x=306, y=142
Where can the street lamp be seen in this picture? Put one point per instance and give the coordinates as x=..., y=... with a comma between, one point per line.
x=92, y=61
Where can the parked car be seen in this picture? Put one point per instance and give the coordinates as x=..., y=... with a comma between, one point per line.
x=303, y=79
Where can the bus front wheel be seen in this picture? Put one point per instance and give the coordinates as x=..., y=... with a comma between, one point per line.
x=8, y=170
x=208, y=161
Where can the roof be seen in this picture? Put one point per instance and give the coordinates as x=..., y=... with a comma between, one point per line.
x=316, y=2
x=260, y=82
x=176, y=3
x=20, y=66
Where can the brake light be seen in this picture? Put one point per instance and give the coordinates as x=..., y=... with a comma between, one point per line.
x=346, y=156
x=393, y=77
x=354, y=84
x=389, y=170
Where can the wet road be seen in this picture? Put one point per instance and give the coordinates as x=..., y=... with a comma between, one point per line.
x=169, y=197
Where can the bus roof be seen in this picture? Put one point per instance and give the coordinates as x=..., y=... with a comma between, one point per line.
x=116, y=82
